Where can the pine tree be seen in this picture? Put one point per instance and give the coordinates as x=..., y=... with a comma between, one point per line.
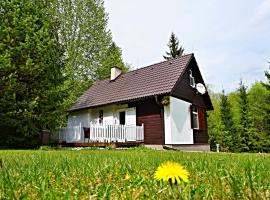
x=174, y=49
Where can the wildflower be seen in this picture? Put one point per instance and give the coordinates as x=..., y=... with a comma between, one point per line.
x=171, y=172
x=127, y=177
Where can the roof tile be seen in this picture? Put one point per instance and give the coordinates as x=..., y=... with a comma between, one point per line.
x=155, y=79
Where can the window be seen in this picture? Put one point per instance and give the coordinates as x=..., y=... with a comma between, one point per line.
x=122, y=118
x=198, y=117
x=195, y=117
x=191, y=79
x=100, y=118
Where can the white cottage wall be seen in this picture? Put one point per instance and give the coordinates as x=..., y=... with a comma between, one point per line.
x=167, y=125
x=182, y=133
x=177, y=122
x=75, y=118
x=110, y=115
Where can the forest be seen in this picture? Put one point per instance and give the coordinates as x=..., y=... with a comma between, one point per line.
x=51, y=51
x=240, y=121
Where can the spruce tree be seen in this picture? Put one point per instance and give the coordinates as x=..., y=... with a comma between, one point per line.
x=225, y=112
x=30, y=69
x=231, y=137
x=267, y=108
x=243, y=105
x=174, y=49
x=244, y=117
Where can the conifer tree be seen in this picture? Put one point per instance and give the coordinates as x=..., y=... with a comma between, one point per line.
x=174, y=49
x=267, y=86
x=244, y=105
x=231, y=137
x=244, y=117
x=30, y=69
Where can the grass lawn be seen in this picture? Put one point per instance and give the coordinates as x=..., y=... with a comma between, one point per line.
x=128, y=174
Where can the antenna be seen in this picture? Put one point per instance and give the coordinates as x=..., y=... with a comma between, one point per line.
x=201, y=88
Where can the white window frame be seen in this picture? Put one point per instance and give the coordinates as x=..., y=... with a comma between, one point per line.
x=195, y=115
x=191, y=79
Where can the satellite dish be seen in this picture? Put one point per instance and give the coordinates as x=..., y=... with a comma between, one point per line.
x=200, y=88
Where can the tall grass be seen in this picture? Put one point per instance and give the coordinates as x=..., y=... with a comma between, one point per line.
x=102, y=174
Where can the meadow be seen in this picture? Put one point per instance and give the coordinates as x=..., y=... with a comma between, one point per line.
x=129, y=174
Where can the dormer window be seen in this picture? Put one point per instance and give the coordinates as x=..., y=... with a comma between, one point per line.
x=191, y=79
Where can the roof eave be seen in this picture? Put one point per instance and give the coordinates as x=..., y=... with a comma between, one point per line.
x=117, y=102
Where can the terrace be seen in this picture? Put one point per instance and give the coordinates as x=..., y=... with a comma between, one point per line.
x=99, y=135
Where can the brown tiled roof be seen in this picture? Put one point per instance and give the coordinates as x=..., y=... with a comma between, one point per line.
x=152, y=80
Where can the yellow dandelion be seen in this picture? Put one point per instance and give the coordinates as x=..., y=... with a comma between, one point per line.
x=171, y=172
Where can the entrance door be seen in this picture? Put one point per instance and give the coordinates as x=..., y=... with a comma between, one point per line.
x=122, y=118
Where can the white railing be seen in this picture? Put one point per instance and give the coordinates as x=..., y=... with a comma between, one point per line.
x=116, y=133
x=68, y=134
x=100, y=133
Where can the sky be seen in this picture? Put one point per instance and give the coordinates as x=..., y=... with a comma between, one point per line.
x=230, y=39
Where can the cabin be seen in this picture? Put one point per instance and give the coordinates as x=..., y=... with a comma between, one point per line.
x=163, y=104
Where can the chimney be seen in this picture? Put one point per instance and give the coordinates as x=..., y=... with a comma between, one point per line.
x=115, y=72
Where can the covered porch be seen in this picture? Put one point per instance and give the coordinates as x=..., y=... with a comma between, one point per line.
x=99, y=135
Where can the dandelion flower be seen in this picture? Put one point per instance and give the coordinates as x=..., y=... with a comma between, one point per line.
x=171, y=172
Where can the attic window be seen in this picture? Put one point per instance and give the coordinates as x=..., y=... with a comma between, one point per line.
x=191, y=79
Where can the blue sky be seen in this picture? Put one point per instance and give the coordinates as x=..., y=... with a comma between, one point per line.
x=230, y=39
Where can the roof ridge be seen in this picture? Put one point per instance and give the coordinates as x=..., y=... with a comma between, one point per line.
x=173, y=59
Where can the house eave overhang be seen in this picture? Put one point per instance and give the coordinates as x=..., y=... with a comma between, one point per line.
x=117, y=102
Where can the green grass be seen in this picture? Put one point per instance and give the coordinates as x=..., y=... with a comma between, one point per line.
x=100, y=174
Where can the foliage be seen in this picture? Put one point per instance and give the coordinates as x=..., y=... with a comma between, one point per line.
x=174, y=49
x=129, y=174
x=215, y=127
x=244, y=123
x=231, y=138
x=267, y=108
x=244, y=106
x=50, y=53
x=113, y=58
x=88, y=46
x=246, y=126
x=31, y=68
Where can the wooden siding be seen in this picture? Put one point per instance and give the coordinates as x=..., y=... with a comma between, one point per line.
x=200, y=136
x=150, y=114
x=146, y=107
x=183, y=90
x=153, y=128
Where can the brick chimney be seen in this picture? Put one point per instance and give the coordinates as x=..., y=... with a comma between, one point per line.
x=115, y=72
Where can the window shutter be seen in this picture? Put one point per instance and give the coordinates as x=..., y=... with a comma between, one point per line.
x=191, y=116
x=201, y=116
